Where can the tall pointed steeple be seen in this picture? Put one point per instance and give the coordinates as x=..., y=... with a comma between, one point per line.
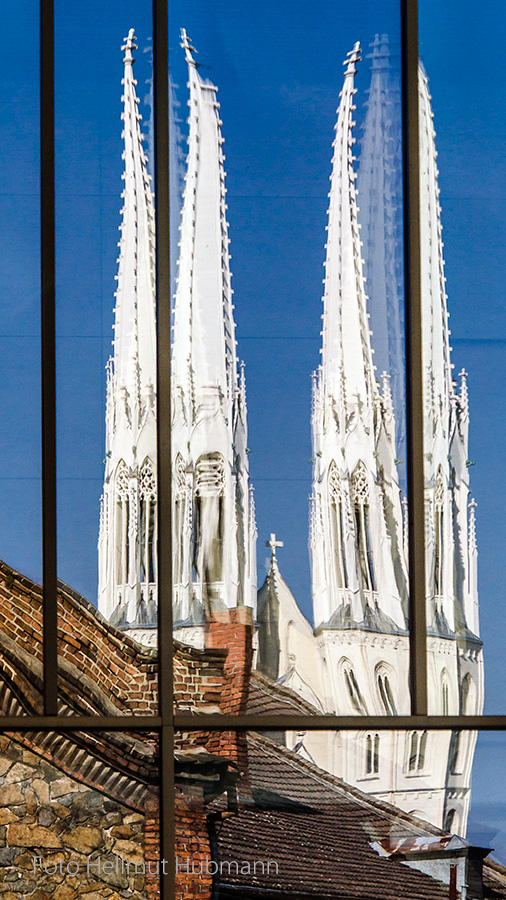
x=203, y=318
x=451, y=564
x=214, y=526
x=379, y=183
x=134, y=324
x=346, y=341
x=127, y=542
x=356, y=523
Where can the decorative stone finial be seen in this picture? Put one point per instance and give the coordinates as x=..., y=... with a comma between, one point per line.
x=128, y=46
x=352, y=58
x=188, y=48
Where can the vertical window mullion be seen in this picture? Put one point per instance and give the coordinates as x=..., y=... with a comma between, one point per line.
x=164, y=464
x=414, y=362
x=48, y=358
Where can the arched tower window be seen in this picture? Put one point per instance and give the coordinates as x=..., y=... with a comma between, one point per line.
x=449, y=822
x=209, y=518
x=467, y=695
x=417, y=750
x=383, y=682
x=147, y=496
x=372, y=754
x=360, y=496
x=122, y=524
x=354, y=693
x=455, y=753
x=438, y=534
x=445, y=688
x=179, y=514
x=337, y=501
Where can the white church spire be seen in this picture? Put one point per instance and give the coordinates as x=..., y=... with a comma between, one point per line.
x=380, y=198
x=214, y=529
x=440, y=389
x=127, y=542
x=346, y=342
x=203, y=318
x=134, y=323
x=356, y=534
x=451, y=552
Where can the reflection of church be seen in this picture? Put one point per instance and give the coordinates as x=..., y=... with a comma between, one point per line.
x=355, y=659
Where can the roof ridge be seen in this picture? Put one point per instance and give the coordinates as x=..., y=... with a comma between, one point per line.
x=381, y=806
x=286, y=693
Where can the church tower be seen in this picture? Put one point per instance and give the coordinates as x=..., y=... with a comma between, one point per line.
x=357, y=543
x=455, y=658
x=127, y=593
x=214, y=523
x=359, y=573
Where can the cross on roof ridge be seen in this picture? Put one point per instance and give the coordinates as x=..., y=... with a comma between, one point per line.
x=273, y=543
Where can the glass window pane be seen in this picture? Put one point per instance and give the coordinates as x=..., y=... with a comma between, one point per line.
x=463, y=187
x=20, y=449
x=250, y=173
x=106, y=328
x=280, y=824
x=79, y=814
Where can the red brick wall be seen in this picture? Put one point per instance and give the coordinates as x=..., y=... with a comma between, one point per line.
x=233, y=629
x=152, y=847
x=193, y=850
x=99, y=665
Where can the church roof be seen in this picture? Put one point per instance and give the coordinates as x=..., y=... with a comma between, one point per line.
x=275, y=587
x=267, y=697
x=320, y=831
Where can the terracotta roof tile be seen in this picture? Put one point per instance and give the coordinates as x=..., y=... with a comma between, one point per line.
x=319, y=830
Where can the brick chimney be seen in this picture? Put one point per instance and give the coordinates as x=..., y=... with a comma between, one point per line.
x=233, y=630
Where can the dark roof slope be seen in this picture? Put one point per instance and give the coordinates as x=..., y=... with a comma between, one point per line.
x=319, y=831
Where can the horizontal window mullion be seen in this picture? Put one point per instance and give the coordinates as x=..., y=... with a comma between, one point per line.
x=79, y=723
x=219, y=722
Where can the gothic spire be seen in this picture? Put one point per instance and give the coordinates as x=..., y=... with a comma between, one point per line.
x=346, y=336
x=204, y=328
x=358, y=576
x=127, y=542
x=214, y=560
x=439, y=384
x=134, y=325
x=379, y=181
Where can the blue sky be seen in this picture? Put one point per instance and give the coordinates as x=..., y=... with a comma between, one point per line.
x=279, y=72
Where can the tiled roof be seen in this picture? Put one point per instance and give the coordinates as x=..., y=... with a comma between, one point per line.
x=494, y=880
x=319, y=831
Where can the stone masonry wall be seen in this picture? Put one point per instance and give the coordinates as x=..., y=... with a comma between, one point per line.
x=51, y=824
